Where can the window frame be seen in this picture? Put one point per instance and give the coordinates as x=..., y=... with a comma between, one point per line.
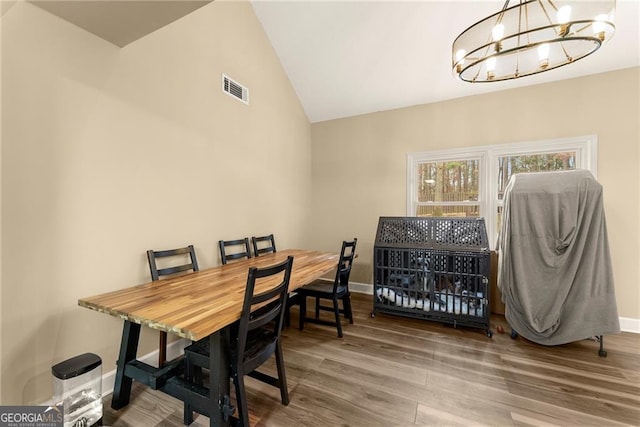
x=413, y=159
x=585, y=147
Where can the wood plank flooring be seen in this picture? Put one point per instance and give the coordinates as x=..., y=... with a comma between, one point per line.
x=395, y=371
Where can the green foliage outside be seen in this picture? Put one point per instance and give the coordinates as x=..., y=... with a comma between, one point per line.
x=457, y=181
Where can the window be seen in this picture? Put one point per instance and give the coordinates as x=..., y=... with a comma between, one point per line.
x=448, y=184
x=471, y=182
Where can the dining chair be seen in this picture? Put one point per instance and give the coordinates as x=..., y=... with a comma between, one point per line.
x=156, y=273
x=245, y=251
x=259, y=243
x=265, y=245
x=335, y=291
x=253, y=339
x=259, y=248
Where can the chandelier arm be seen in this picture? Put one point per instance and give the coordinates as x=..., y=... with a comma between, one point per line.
x=553, y=5
x=477, y=74
x=490, y=39
x=526, y=17
x=544, y=10
x=566, y=54
x=504, y=8
x=526, y=14
x=499, y=18
x=581, y=29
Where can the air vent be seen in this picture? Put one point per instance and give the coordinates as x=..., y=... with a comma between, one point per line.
x=235, y=89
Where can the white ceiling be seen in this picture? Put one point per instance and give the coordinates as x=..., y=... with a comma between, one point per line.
x=350, y=57
x=346, y=58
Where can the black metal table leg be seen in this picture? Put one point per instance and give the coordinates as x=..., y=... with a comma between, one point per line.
x=128, y=350
x=221, y=410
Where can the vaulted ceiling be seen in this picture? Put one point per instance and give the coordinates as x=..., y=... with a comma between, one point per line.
x=346, y=58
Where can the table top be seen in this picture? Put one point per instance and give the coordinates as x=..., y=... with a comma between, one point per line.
x=195, y=305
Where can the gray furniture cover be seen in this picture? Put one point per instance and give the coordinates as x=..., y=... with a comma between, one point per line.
x=554, y=267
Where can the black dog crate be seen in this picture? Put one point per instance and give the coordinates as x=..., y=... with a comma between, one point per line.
x=433, y=268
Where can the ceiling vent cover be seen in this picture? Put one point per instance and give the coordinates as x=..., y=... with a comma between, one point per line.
x=235, y=89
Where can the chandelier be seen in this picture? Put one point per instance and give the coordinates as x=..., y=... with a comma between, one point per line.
x=531, y=37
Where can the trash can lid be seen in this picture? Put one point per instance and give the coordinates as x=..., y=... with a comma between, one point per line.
x=76, y=366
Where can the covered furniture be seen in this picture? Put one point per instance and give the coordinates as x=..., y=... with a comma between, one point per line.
x=554, y=267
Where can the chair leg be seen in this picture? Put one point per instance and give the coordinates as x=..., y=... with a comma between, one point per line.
x=303, y=311
x=336, y=311
x=317, y=308
x=346, y=305
x=162, y=349
x=241, y=399
x=287, y=315
x=282, y=376
x=187, y=411
x=188, y=415
x=192, y=373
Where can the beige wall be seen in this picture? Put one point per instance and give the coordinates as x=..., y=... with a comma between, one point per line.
x=359, y=163
x=108, y=152
x=1, y=13
x=95, y=139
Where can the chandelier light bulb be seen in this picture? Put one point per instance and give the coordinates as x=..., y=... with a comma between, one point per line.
x=543, y=55
x=460, y=59
x=563, y=15
x=491, y=67
x=599, y=26
x=491, y=64
x=497, y=33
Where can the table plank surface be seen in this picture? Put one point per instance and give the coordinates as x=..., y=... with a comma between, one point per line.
x=195, y=305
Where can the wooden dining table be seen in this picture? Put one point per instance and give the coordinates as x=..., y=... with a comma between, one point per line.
x=195, y=306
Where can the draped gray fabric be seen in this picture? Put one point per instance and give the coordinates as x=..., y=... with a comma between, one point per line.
x=554, y=266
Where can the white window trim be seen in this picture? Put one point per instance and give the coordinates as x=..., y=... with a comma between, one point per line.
x=586, y=148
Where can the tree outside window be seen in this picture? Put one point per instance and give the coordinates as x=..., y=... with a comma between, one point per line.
x=448, y=188
x=471, y=182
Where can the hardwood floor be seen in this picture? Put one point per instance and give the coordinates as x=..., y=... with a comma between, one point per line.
x=394, y=371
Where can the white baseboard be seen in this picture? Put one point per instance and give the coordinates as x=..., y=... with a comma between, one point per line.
x=361, y=288
x=628, y=324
